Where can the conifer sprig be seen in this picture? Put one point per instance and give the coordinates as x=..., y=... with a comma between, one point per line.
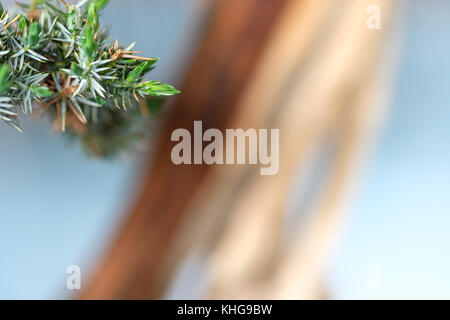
x=55, y=57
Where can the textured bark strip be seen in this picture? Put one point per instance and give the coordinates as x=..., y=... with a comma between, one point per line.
x=133, y=267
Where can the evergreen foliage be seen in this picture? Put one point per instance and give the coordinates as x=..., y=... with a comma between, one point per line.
x=56, y=59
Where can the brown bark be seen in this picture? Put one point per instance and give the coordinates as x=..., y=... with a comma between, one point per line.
x=134, y=267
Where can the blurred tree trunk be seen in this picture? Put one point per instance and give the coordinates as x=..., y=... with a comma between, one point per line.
x=314, y=70
x=142, y=257
x=323, y=93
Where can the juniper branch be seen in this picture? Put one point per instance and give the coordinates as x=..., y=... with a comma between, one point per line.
x=56, y=57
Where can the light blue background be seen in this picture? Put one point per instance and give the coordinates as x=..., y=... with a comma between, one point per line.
x=401, y=221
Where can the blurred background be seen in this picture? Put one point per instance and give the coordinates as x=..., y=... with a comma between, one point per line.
x=359, y=209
